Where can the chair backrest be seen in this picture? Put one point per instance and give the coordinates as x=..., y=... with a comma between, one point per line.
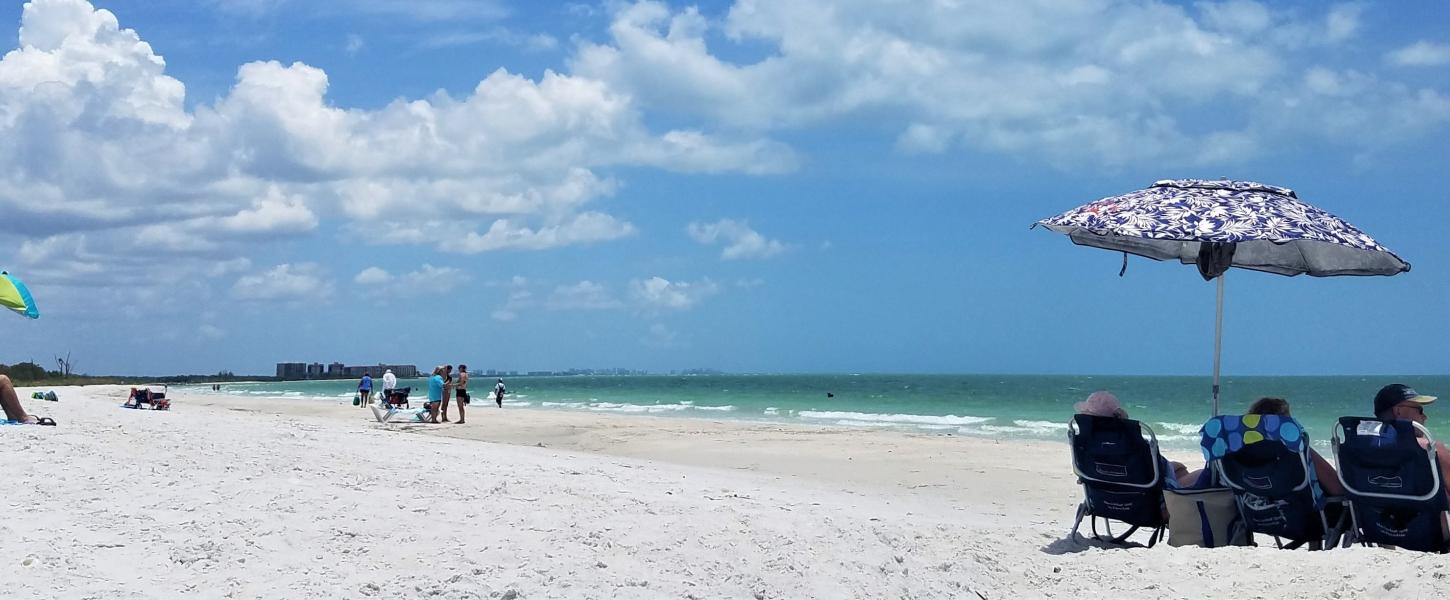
x=1265, y=460
x=1116, y=460
x=1392, y=481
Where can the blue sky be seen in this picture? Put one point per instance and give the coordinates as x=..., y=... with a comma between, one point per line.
x=805, y=186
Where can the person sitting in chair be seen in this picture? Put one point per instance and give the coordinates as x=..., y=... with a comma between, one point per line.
x=1105, y=404
x=1328, y=477
x=1399, y=401
x=10, y=402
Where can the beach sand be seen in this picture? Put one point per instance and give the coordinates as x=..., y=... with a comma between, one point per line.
x=226, y=497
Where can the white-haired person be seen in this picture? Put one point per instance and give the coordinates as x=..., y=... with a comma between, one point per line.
x=1105, y=404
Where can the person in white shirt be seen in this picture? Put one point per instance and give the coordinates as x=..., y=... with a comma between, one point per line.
x=498, y=393
x=390, y=383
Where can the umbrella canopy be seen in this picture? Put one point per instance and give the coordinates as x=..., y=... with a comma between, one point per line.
x=15, y=296
x=1269, y=229
x=1222, y=224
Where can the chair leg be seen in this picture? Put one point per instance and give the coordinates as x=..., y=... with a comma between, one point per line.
x=1077, y=522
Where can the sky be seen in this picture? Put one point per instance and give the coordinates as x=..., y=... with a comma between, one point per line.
x=191, y=186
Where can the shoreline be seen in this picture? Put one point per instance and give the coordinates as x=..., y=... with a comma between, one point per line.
x=275, y=498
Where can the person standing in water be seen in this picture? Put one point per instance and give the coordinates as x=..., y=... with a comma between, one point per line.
x=498, y=393
x=460, y=390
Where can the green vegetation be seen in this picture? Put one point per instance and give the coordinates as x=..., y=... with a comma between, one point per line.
x=29, y=374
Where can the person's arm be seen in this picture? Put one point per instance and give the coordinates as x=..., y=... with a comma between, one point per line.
x=1328, y=477
x=1442, y=456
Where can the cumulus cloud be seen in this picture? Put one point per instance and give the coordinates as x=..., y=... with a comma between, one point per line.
x=658, y=293
x=286, y=282
x=427, y=279
x=739, y=239
x=584, y=228
x=1421, y=54
x=1073, y=83
x=585, y=295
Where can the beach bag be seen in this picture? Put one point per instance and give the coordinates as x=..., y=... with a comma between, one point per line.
x=1208, y=518
x=357, y=399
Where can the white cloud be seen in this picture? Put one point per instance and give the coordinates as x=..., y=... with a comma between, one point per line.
x=427, y=279
x=660, y=293
x=532, y=42
x=583, y=228
x=585, y=295
x=372, y=276
x=739, y=239
x=1084, y=82
x=211, y=332
x=1421, y=54
x=285, y=283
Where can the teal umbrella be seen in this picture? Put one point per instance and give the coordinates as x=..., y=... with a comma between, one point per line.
x=15, y=296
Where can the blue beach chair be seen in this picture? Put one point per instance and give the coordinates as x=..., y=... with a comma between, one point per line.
x=1395, y=491
x=1265, y=460
x=1122, y=476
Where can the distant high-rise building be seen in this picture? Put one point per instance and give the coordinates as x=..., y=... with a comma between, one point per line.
x=335, y=369
x=314, y=371
x=292, y=370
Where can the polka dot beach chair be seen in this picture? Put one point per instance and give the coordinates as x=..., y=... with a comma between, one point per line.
x=1266, y=461
x=1395, y=491
x=1122, y=475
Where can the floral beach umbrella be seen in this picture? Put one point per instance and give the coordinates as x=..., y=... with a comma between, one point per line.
x=1221, y=224
x=15, y=296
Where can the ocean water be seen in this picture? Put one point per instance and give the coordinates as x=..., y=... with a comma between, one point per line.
x=993, y=406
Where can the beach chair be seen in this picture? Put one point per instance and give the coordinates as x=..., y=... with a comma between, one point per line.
x=1396, y=495
x=398, y=397
x=1265, y=460
x=1122, y=476
x=144, y=396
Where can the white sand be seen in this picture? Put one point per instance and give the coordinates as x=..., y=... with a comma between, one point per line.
x=248, y=498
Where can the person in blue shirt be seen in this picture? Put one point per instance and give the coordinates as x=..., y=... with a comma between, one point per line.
x=435, y=394
x=365, y=389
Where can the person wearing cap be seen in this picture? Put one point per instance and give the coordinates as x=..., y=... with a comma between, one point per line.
x=1400, y=401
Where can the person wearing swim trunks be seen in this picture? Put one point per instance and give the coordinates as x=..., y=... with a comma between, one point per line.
x=460, y=390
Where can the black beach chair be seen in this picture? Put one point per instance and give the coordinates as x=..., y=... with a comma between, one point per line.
x=1396, y=494
x=1117, y=463
x=398, y=397
x=1265, y=460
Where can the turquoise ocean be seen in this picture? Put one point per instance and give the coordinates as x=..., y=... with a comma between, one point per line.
x=991, y=406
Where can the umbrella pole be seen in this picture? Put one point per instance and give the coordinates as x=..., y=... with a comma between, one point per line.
x=1217, y=341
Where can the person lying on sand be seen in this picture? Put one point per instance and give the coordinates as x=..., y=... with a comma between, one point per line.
x=1105, y=404
x=14, y=412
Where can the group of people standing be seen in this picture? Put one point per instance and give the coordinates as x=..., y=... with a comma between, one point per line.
x=443, y=387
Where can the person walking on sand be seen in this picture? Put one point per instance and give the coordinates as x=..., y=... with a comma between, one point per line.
x=498, y=393
x=460, y=390
x=365, y=390
x=447, y=391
